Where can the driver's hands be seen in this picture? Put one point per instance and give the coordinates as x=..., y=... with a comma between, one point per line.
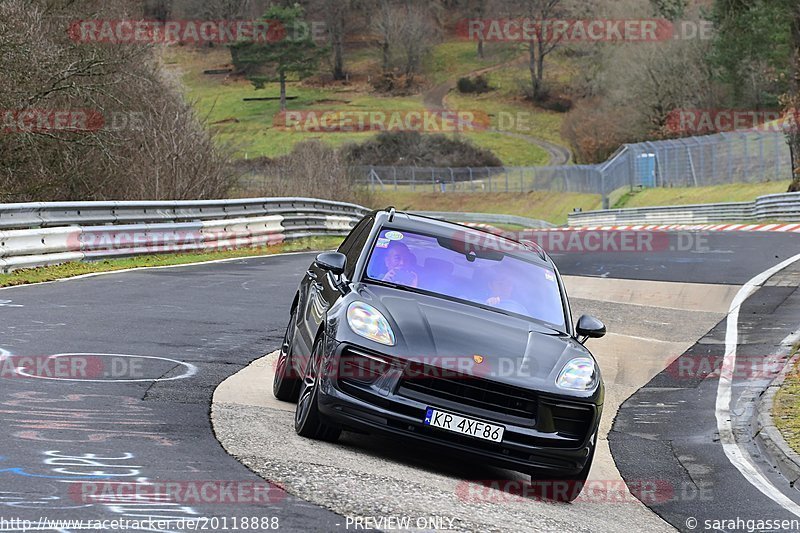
x=494, y=300
x=391, y=277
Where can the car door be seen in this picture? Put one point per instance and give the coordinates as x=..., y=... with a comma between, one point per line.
x=320, y=287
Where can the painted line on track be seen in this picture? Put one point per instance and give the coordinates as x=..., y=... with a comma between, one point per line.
x=738, y=457
x=190, y=371
x=163, y=267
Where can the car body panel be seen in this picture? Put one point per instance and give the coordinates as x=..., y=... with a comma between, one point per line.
x=450, y=343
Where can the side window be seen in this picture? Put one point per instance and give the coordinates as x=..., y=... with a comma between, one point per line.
x=359, y=241
x=347, y=244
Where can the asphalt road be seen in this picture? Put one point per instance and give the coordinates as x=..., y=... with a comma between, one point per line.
x=210, y=321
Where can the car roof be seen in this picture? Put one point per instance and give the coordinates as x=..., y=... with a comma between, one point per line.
x=422, y=223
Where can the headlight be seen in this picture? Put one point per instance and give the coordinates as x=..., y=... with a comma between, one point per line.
x=578, y=375
x=368, y=322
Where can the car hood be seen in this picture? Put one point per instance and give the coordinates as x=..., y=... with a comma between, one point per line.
x=474, y=341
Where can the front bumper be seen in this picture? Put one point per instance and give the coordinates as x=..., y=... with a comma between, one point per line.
x=532, y=447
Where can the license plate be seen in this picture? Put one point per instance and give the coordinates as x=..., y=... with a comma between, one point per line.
x=463, y=425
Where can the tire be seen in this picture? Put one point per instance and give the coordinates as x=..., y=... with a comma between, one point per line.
x=286, y=385
x=308, y=422
x=564, y=488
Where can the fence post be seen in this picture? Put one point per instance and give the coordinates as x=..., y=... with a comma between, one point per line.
x=606, y=203
x=505, y=171
x=521, y=179
x=761, y=156
x=413, y=178
x=395, y=177
x=714, y=162
x=489, y=178
x=746, y=157
x=730, y=161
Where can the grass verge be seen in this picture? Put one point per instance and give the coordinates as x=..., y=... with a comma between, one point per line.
x=69, y=270
x=550, y=206
x=736, y=192
x=786, y=408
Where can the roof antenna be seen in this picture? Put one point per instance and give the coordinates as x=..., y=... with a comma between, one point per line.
x=392, y=212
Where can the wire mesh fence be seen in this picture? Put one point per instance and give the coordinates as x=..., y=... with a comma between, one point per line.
x=740, y=157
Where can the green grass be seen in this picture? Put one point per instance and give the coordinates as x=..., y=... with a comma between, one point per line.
x=515, y=116
x=548, y=206
x=69, y=270
x=249, y=127
x=512, y=151
x=736, y=192
x=455, y=59
x=786, y=408
x=555, y=206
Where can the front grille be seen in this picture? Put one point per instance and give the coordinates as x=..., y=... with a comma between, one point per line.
x=361, y=367
x=567, y=419
x=455, y=390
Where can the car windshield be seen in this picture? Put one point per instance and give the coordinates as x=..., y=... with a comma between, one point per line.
x=486, y=273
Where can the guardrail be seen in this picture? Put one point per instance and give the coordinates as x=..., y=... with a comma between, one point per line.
x=40, y=234
x=782, y=207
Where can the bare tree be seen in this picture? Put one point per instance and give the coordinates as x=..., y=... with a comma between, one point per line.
x=792, y=101
x=542, y=13
x=408, y=31
x=147, y=142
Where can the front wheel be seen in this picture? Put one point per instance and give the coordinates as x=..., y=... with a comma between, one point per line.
x=308, y=422
x=565, y=489
x=285, y=385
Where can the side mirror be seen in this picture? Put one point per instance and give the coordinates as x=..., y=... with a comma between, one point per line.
x=590, y=328
x=333, y=262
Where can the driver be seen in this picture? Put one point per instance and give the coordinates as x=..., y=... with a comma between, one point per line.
x=400, y=263
x=502, y=288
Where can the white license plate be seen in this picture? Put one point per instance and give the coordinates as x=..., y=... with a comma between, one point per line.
x=463, y=425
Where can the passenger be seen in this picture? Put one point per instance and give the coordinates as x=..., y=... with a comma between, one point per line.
x=400, y=263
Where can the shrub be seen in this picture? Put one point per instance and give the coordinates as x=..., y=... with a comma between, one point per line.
x=413, y=149
x=313, y=169
x=595, y=132
x=477, y=85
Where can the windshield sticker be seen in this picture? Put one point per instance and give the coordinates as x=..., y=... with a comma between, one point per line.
x=382, y=243
x=394, y=236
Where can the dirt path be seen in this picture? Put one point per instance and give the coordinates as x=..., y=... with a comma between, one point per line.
x=435, y=99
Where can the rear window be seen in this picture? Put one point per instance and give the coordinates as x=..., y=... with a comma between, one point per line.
x=489, y=274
